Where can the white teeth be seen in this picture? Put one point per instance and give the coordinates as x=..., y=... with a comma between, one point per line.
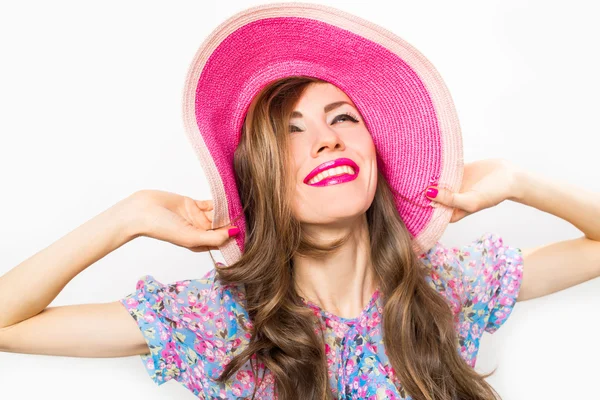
x=345, y=169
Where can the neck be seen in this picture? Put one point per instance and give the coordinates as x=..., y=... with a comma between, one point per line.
x=342, y=283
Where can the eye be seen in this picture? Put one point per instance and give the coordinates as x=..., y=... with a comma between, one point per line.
x=345, y=117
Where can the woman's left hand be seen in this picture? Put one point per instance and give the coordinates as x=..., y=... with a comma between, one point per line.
x=485, y=184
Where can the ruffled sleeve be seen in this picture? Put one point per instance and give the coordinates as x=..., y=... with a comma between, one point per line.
x=493, y=273
x=192, y=328
x=481, y=279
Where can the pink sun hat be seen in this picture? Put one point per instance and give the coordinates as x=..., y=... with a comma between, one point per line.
x=404, y=103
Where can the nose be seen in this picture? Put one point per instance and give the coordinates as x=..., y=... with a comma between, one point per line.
x=326, y=137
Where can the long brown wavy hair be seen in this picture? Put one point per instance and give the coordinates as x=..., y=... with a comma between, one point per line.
x=418, y=329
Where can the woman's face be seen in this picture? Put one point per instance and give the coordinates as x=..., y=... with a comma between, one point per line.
x=324, y=130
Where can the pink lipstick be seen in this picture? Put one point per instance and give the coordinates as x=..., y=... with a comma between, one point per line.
x=333, y=180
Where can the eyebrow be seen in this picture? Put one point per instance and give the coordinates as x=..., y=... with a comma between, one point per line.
x=327, y=108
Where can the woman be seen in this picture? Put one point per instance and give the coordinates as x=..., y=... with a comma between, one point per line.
x=339, y=252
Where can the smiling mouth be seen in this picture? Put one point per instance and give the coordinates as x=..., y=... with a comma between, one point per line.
x=334, y=176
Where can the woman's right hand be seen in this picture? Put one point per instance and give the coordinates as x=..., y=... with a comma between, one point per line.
x=178, y=219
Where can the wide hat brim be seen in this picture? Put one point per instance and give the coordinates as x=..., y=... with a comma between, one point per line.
x=404, y=103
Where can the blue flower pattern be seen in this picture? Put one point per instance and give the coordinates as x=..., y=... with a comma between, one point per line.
x=194, y=327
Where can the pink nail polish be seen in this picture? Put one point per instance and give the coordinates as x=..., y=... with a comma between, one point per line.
x=233, y=231
x=432, y=192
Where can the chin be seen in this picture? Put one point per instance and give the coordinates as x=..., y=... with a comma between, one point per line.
x=336, y=214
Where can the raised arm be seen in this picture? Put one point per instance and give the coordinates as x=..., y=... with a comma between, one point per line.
x=554, y=266
x=28, y=325
x=28, y=288
x=94, y=330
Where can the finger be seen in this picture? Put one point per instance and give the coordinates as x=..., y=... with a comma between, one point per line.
x=204, y=205
x=199, y=218
x=200, y=249
x=467, y=201
x=209, y=215
x=214, y=238
x=458, y=214
x=442, y=196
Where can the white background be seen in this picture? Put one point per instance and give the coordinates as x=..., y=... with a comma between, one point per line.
x=90, y=105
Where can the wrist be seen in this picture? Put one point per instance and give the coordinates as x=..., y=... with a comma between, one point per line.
x=127, y=218
x=519, y=184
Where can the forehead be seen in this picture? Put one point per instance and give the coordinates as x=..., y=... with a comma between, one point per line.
x=317, y=94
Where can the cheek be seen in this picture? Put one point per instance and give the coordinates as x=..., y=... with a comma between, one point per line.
x=295, y=149
x=369, y=146
x=366, y=148
x=301, y=202
x=299, y=154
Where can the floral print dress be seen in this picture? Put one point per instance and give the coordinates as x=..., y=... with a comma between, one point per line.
x=195, y=327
